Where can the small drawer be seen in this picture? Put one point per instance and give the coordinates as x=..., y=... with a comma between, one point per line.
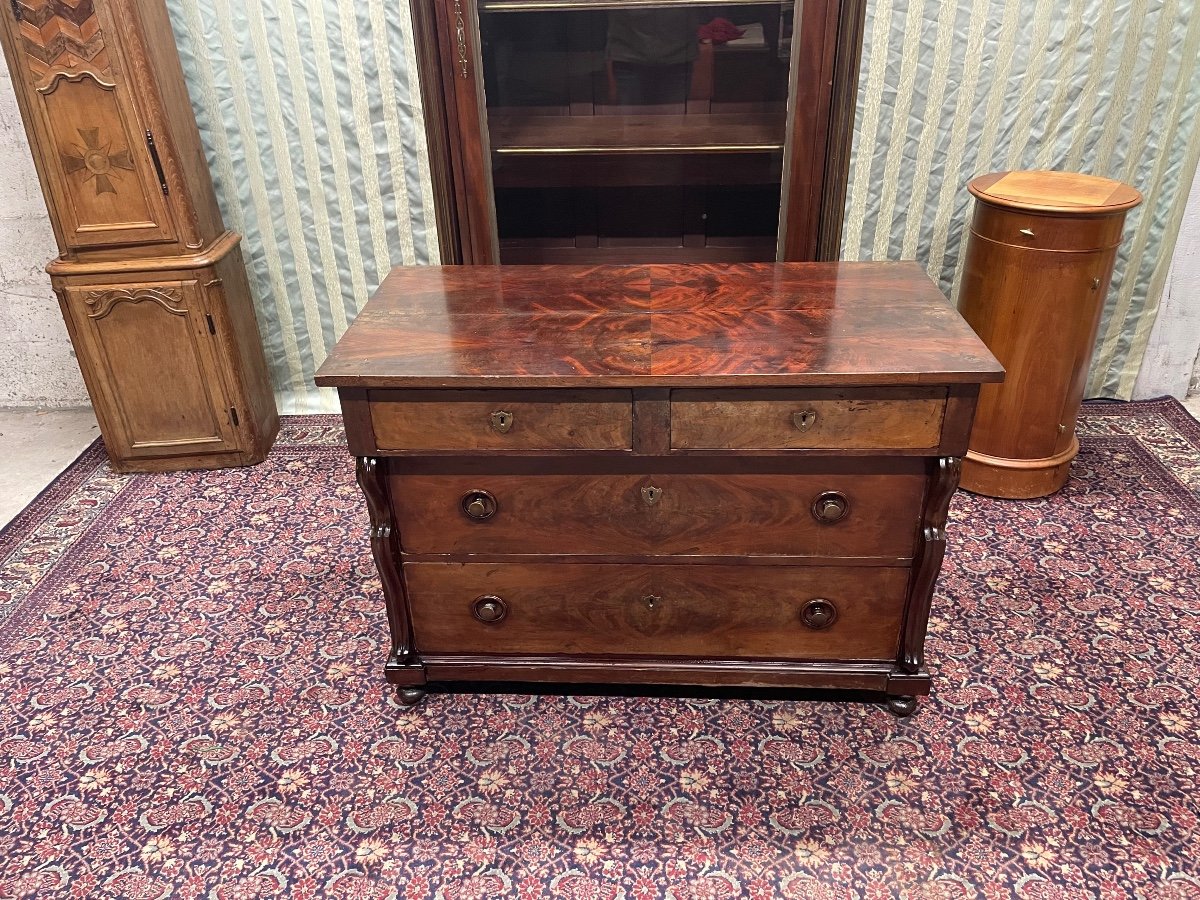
x=724, y=612
x=502, y=420
x=780, y=419
x=652, y=515
x=1044, y=231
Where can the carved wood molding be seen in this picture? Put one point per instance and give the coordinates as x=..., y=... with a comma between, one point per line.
x=101, y=303
x=385, y=543
x=931, y=551
x=58, y=77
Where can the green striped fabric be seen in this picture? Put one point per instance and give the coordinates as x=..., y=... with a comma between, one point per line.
x=951, y=89
x=310, y=113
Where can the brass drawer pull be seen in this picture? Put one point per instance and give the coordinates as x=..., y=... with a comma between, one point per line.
x=479, y=505
x=818, y=613
x=804, y=420
x=830, y=507
x=489, y=609
x=501, y=420
x=1028, y=232
x=651, y=494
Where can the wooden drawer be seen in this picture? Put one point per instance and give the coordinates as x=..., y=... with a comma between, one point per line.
x=768, y=515
x=778, y=419
x=1043, y=231
x=502, y=420
x=665, y=610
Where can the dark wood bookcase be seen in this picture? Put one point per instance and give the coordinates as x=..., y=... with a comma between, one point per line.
x=618, y=131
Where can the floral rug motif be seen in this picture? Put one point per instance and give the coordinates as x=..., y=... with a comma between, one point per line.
x=192, y=706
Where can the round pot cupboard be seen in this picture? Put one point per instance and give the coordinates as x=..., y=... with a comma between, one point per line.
x=1038, y=263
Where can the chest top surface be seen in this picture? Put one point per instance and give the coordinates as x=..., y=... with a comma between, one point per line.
x=755, y=324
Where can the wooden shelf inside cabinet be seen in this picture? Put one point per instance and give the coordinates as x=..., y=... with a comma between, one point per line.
x=753, y=141
x=522, y=135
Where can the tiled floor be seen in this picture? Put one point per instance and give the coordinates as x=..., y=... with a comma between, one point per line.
x=35, y=445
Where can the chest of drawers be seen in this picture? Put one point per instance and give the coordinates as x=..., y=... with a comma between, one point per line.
x=696, y=475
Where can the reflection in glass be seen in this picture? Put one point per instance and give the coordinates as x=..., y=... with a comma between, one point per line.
x=635, y=132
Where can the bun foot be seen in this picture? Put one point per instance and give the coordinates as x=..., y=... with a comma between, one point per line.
x=902, y=707
x=410, y=696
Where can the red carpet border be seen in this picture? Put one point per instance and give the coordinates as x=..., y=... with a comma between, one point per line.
x=191, y=706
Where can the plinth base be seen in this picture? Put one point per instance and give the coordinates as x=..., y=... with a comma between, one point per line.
x=1016, y=479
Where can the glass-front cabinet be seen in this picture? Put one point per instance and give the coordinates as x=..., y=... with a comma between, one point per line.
x=637, y=131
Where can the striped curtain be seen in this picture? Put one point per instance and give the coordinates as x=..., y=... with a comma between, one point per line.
x=310, y=115
x=951, y=89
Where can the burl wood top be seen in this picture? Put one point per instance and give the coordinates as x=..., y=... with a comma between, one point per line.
x=1061, y=192
x=787, y=324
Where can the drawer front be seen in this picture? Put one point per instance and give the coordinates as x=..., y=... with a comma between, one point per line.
x=771, y=515
x=765, y=612
x=806, y=420
x=502, y=420
x=1047, y=232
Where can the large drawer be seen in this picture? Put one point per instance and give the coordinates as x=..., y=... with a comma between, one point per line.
x=502, y=420
x=779, y=419
x=769, y=612
x=770, y=515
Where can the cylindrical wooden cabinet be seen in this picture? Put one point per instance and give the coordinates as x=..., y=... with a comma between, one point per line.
x=1038, y=264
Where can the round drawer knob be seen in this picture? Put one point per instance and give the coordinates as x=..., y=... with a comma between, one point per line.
x=829, y=507
x=489, y=610
x=818, y=614
x=479, y=505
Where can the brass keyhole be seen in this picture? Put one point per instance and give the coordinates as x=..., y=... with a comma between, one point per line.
x=651, y=494
x=501, y=420
x=804, y=420
x=651, y=601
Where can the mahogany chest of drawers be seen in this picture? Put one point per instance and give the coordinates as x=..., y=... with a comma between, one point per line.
x=701, y=475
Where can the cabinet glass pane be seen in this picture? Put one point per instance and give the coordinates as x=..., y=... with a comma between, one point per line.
x=636, y=131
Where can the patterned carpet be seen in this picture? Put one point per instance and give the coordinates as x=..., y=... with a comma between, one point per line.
x=191, y=706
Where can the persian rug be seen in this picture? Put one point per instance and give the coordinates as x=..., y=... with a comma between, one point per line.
x=192, y=706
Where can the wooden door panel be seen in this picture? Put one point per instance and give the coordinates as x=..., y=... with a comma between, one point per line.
x=89, y=138
x=152, y=356
x=106, y=189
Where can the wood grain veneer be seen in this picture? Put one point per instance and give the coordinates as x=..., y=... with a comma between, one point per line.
x=746, y=325
x=503, y=420
x=657, y=508
x=1037, y=268
x=745, y=514
x=690, y=611
x=806, y=420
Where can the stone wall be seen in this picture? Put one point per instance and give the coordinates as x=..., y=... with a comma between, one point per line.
x=37, y=365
